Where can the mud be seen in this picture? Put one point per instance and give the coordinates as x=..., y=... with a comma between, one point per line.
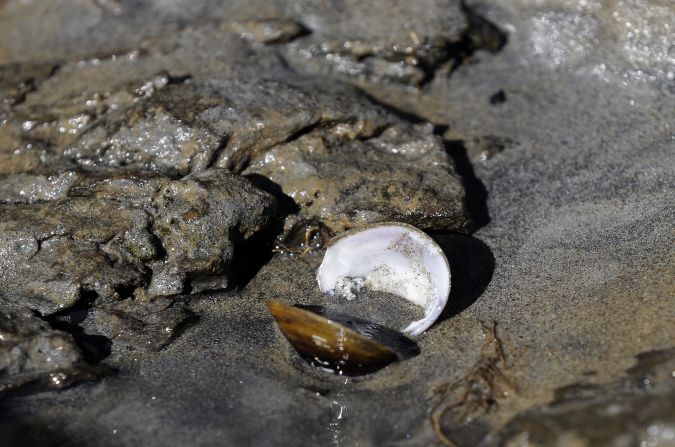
x=379, y=307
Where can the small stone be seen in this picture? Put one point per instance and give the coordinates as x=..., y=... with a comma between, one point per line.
x=34, y=357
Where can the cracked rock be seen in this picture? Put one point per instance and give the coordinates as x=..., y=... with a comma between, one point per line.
x=199, y=220
x=114, y=232
x=51, y=251
x=140, y=322
x=161, y=133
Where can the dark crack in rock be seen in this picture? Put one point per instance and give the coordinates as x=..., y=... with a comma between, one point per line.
x=17, y=80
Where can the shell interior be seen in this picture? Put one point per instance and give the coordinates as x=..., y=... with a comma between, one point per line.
x=393, y=258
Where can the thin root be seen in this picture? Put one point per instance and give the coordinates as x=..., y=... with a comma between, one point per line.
x=481, y=387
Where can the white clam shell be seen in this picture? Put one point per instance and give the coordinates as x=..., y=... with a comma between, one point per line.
x=389, y=257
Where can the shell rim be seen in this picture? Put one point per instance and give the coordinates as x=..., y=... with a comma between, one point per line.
x=407, y=226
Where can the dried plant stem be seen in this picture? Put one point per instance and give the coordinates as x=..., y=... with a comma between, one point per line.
x=478, y=390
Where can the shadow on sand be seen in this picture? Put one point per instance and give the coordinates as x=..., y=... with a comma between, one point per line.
x=471, y=266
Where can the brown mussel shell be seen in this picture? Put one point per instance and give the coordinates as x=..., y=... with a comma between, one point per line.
x=328, y=343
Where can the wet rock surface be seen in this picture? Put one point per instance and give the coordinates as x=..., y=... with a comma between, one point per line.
x=165, y=236
x=33, y=356
x=139, y=323
x=402, y=175
x=168, y=167
x=631, y=411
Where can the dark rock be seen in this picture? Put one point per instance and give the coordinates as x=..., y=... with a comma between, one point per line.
x=270, y=113
x=161, y=133
x=498, y=97
x=199, y=221
x=139, y=322
x=624, y=412
x=51, y=251
x=34, y=357
x=345, y=176
x=30, y=188
x=376, y=47
x=17, y=80
x=123, y=231
x=176, y=126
